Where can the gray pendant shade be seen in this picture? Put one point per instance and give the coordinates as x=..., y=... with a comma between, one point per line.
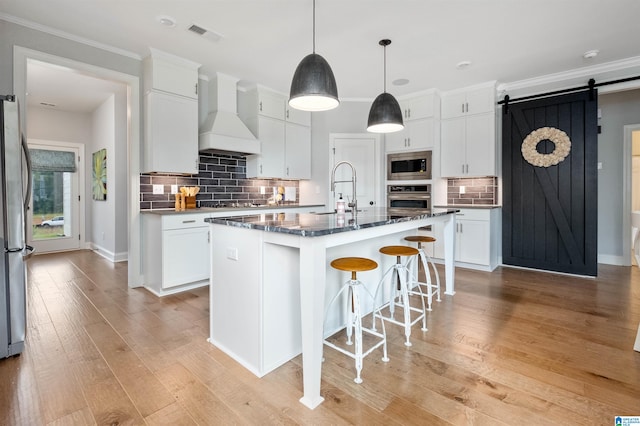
x=313, y=87
x=385, y=115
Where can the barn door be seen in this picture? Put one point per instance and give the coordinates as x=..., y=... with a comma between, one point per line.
x=550, y=184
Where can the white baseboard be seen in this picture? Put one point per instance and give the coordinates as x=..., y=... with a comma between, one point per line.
x=609, y=259
x=107, y=254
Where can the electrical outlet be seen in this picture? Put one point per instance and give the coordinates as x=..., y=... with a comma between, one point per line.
x=174, y=189
x=462, y=189
x=263, y=190
x=158, y=189
x=232, y=253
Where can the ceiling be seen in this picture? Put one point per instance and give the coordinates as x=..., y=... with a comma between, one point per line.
x=263, y=40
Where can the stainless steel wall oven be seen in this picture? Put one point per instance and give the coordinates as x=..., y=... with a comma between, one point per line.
x=407, y=200
x=409, y=165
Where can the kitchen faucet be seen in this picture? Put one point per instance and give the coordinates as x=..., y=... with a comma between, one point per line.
x=354, y=203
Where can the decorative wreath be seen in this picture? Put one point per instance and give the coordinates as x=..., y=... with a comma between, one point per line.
x=557, y=136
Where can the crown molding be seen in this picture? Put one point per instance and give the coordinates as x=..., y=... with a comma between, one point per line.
x=572, y=77
x=68, y=36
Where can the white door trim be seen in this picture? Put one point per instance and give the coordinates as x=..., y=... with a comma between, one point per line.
x=20, y=57
x=627, y=170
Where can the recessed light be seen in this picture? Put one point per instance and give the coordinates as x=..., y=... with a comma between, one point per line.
x=463, y=64
x=166, y=21
x=400, y=82
x=589, y=54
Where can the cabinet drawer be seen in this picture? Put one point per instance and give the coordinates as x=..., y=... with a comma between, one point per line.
x=183, y=221
x=474, y=214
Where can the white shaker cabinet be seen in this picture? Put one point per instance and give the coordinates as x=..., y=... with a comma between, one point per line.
x=421, y=116
x=176, y=252
x=468, y=134
x=416, y=135
x=171, y=133
x=171, y=114
x=284, y=134
x=477, y=238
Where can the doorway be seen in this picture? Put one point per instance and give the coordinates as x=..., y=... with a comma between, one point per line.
x=54, y=214
x=631, y=196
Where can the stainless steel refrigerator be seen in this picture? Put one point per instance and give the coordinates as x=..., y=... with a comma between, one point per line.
x=15, y=189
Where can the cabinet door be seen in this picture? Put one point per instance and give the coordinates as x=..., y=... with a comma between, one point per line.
x=453, y=105
x=271, y=159
x=452, y=147
x=480, y=147
x=297, y=158
x=171, y=132
x=418, y=108
x=271, y=105
x=421, y=134
x=176, y=79
x=480, y=100
x=473, y=242
x=185, y=256
x=396, y=141
x=297, y=116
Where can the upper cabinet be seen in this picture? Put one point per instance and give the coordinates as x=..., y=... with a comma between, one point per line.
x=171, y=114
x=467, y=138
x=464, y=103
x=284, y=134
x=171, y=74
x=421, y=115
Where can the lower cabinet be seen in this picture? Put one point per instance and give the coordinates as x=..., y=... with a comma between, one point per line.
x=477, y=238
x=176, y=251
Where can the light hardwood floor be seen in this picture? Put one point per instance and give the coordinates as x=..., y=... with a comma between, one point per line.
x=511, y=347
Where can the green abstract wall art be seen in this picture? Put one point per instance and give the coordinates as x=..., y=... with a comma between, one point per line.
x=100, y=175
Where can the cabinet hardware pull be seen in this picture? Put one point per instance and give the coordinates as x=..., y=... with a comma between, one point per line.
x=463, y=108
x=208, y=236
x=409, y=116
x=287, y=113
x=463, y=169
x=467, y=104
x=287, y=171
x=409, y=140
x=260, y=168
x=260, y=106
x=196, y=88
x=466, y=168
x=189, y=221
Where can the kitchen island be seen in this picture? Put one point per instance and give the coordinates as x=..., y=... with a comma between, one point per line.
x=270, y=277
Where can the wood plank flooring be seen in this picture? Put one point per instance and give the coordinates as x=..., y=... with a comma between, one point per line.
x=512, y=347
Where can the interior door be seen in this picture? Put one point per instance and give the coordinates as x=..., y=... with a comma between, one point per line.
x=550, y=211
x=54, y=210
x=363, y=152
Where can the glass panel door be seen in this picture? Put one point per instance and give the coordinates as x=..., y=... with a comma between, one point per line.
x=54, y=209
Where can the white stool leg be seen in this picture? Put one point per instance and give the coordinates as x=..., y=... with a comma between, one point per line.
x=404, y=294
x=358, y=326
x=351, y=316
x=427, y=274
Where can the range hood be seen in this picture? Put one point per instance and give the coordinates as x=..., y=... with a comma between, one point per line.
x=223, y=130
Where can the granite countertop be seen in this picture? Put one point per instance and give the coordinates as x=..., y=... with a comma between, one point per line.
x=468, y=206
x=318, y=224
x=164, y=212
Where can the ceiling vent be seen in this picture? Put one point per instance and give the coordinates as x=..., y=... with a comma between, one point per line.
x=201, y=31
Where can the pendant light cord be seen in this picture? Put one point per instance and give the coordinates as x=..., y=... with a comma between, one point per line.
x=314, y=26
x=384, y=74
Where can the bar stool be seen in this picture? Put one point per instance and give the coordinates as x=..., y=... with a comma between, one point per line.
x=399, y=294
x=354, y=311
x=427, y=266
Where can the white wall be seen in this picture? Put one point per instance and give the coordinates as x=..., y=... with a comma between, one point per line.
x=618, y=109
x=348, y=117
x=103, y=228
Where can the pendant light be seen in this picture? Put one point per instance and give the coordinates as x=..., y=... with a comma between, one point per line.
x=385, y=115
x=313, y=87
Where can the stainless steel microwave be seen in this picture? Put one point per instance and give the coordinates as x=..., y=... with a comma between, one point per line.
x=409, y=165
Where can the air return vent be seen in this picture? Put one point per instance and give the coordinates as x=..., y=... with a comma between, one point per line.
x=201, y=31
